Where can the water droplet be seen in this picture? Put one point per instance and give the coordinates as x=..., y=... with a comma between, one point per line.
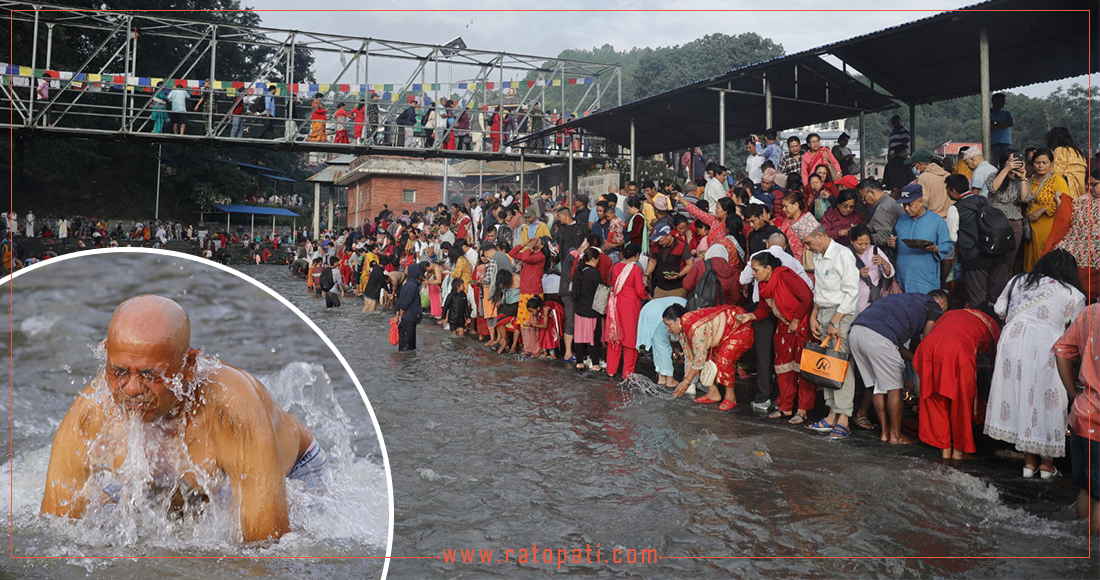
x=272, y=350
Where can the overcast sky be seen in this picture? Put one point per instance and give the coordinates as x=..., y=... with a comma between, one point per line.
x=547, y=33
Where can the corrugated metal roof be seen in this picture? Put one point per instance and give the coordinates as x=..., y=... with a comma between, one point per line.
x=897, y=59
x=330, y=174
x=397, y=166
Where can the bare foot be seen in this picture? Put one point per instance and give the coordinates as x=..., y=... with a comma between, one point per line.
x=946, y=454
x=902, y=440
x=885, y=438
x=960, y=455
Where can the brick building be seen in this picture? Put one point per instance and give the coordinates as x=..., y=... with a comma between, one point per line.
x=398, y=182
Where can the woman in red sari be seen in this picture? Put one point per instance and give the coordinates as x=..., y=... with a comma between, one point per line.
x=946, y=362
x=786, y=295
x=711, y=337
x=342, y=121
x=624, y=307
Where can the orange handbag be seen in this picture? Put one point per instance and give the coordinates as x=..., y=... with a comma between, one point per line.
x=823, y=366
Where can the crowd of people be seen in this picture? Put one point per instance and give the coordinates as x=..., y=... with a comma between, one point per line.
x=955, y=288
x=345, y=118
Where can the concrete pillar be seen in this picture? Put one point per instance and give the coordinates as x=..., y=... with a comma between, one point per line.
x=721, y=127
x=769, y=122
x=987, y=128
x=316, y=210
x=633, y=157
x=912, y=127
x=862, y=149
x=331, y=206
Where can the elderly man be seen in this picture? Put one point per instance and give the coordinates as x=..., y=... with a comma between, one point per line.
x=768, y=192
x=883, y=339
x=922, y=241
x=884, y=212
x=980, y=170
x=836, y=303
x=930, y=177
x=219, y=420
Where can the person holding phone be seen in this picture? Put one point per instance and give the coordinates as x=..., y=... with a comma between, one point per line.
x=1007, y=190
x=922, y=241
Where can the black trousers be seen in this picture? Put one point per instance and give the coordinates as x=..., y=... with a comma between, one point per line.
x=763, y=334
x=406, y=332
x=582, y=350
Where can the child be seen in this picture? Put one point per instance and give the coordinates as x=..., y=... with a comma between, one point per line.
x=699, y=238
x=456, y=310
x=531, y=328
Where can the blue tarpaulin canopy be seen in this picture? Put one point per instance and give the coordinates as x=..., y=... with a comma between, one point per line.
x=249, y=166
x=254, y=210
x=277, y=178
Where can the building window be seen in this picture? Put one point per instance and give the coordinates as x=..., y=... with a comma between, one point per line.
x=409, y=196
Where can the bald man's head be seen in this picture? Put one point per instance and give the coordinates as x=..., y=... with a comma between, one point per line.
x=152, y=321
x=148, y=342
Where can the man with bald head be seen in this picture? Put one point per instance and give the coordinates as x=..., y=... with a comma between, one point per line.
x=222, y=423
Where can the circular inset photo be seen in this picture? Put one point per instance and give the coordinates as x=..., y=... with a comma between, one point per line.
x=173, y=417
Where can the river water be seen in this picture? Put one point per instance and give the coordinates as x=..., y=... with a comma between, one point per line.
x=491, y=451
x=61, y=311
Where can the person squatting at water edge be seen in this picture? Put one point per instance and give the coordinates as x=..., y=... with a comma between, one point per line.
x=915, y=301
x=213, y=425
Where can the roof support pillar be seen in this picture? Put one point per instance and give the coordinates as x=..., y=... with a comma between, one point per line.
x=331, y=206
x=522, y=172
x=912, y=127
x=316, y=210
x=862, y=148
x=983, y=51
x=721, y=127
x=569, y=184
x=252, y=234
x=633, y=158
x=768, y=122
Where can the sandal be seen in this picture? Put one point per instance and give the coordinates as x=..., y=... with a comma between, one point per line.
x=797, y=419
x=864, y=423
x=821, y=426
x=839, y=432
x=779, y=415
x=1044, y=474
x=727, y=405
x=705, y=400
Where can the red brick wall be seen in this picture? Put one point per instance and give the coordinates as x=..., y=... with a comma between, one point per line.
x=367, y=195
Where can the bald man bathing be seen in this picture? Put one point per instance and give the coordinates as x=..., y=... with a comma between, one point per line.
x=219, y=421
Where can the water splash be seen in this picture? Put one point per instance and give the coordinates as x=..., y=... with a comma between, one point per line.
x=150, y=503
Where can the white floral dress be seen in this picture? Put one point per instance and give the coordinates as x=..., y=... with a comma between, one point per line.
x=1027, y=402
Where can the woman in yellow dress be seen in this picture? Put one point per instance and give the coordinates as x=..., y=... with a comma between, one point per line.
x=1048, y=190
x=317, y=119
x=1069, y=162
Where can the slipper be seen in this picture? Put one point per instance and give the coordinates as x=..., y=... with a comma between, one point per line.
x=1029, y=472
x=821, y=426
x=839, y=432
x=727, y=405
x=864, y=423
x=571, y=360
x=797, y=419
x=705, y=400
x=1049, y=474
x=779, y=415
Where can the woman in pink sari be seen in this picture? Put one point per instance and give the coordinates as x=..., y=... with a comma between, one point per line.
x=818, y=155
x=624, y=307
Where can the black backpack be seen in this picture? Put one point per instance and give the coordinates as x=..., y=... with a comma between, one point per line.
x=258, y=105
x=995, y=235
x=327, y=281
x=707, y=292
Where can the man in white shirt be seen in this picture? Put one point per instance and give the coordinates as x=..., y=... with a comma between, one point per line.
x=753, y=162
x=777, y=246
x=30, y=224
x=716, y=187
x=836, y=303
x=476, y=214
x=982, y=169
